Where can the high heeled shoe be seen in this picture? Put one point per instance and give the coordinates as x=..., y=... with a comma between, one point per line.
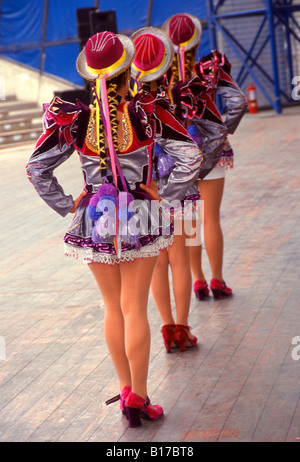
x=201, y=289
x=182, y=338
x=122, y=397
x=138, y=408
x=168, y=331
x=220, y=289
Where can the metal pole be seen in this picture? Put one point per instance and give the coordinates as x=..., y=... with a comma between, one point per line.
x=43, y=47
x=237, y=52
x=149, y=13
x=0, y=11
x=274, y=56
x=255, y=63
x=240, y=14
x=211, y=26
x=289, y=49
x=253, y=60
x=239, y=76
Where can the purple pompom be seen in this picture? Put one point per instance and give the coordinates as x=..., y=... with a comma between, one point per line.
x=104, y=190
x=94, y=200
x=107, y=190
x=93, y=213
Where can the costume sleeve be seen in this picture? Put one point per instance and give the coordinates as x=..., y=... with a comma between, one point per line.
x=212, y=133
x=53, y=148
x=193, y=105
x=187, y=156
x=236, y=104
x=215, y=70
x=212, y=139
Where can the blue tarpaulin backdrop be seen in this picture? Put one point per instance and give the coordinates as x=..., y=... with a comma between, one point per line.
x=43, y=33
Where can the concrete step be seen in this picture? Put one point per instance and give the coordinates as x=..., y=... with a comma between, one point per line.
x=9, y=98
x=14, y=124
x=15, y=105
x=4, y=114
x=28, y=114
x=20, y=136
x=14, y=109
x=20, y=122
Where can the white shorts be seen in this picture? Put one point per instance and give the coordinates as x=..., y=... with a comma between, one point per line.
x=216, y=173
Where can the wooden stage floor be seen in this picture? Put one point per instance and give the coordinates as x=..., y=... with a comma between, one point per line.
x=242, y=384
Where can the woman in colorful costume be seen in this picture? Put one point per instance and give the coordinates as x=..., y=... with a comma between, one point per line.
x=213, y=71
x=189, y=101
x=151, y=44
x=116, y=222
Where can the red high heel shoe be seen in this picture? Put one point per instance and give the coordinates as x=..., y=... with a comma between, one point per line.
x=138, y=408
x=201, y=289
x=220, y=289
x=168, y=331
x=182, y=337
x=122, y=397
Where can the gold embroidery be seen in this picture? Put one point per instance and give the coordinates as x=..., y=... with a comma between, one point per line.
x=127, y=130
x=90, y=140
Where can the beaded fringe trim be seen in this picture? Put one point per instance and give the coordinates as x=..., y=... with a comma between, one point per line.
x=90, y=256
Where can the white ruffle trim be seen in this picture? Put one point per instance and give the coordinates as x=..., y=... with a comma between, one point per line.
x=88, y=255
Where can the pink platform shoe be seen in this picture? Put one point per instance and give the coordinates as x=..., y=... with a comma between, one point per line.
x=182, y=337
x=201, y=289
x=168, y=331
x=138, y=408
x=220, y=289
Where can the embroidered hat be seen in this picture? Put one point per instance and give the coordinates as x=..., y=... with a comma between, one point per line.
x=184, y=30
x=154, y=54
x=105, y=53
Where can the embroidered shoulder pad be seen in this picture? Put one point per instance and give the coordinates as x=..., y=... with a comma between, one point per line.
x=212, y=68
x=189, y=99
x=62, y=116
x=61, y=112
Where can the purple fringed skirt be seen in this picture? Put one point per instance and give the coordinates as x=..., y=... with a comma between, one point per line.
x=153, y=232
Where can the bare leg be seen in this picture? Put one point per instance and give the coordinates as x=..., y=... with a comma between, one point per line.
x=135, y=285
x=196, y=262
x=160, y=288
x=108, y=279
x=211, y=193
x=125, y=290
x=178, y=258
x=182, y=280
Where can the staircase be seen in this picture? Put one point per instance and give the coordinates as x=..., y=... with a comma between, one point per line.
x=20, y=122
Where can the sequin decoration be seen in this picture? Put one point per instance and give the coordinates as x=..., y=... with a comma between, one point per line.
x=90, y=140
x=127, y=130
